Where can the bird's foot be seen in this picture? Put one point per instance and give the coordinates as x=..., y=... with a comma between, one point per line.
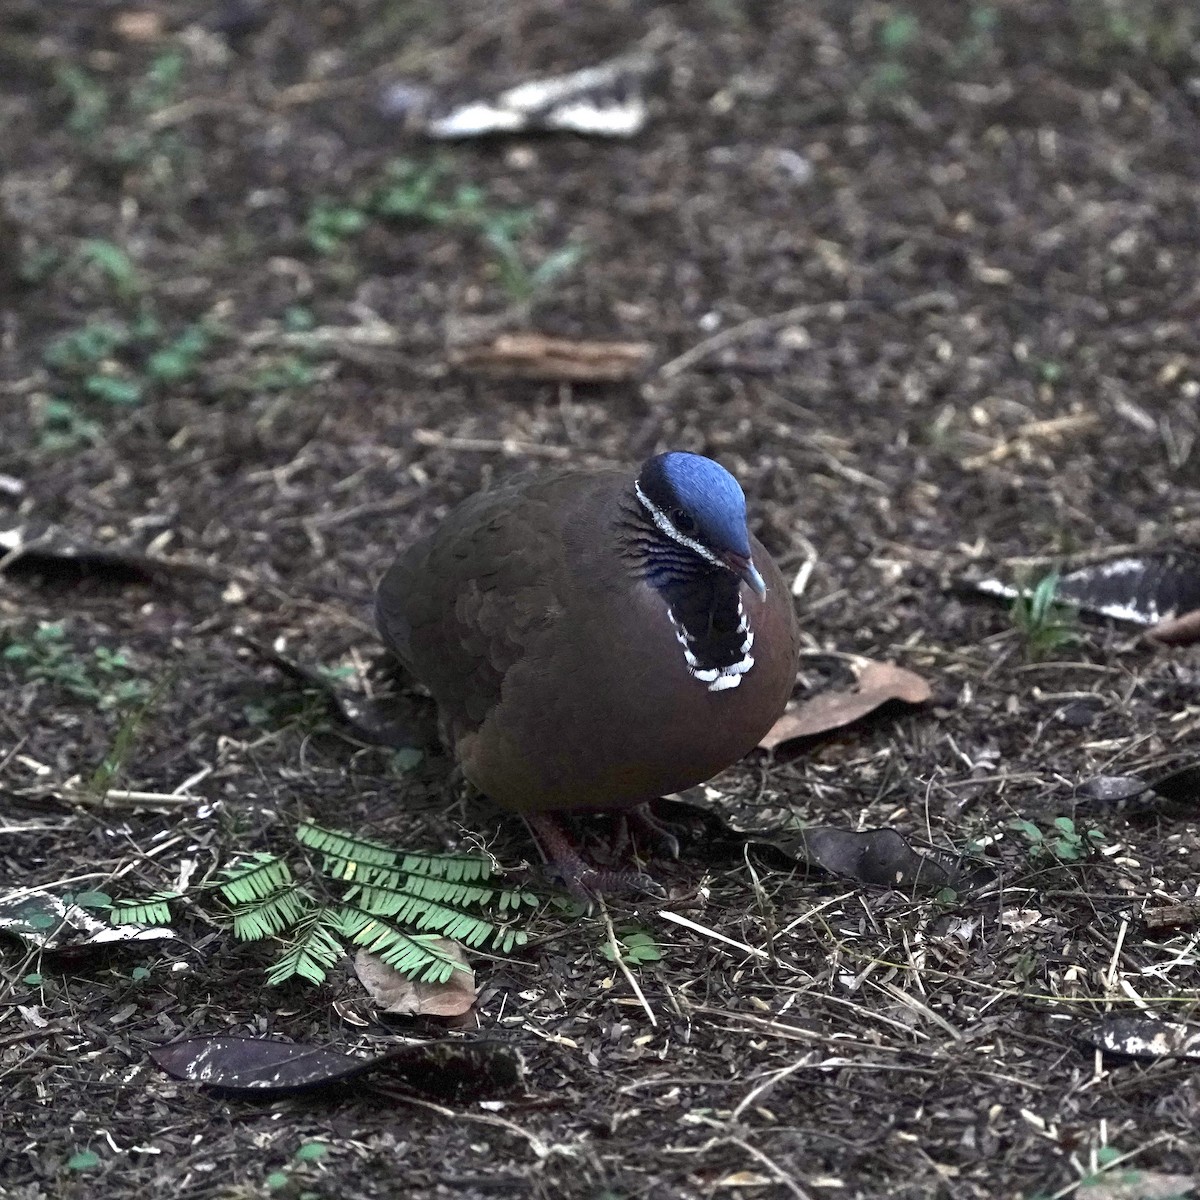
x=584, y=881
x=642, y=824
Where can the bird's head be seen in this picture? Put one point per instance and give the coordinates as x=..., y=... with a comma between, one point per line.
x=697, y=503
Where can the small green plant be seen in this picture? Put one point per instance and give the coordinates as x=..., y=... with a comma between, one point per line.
x=983, y=22
x=521, y=282
x=286, y=1179
x=109, y=365
x=422, y=193
x=103, y=677
x=335, y=889
x=62, y=427
x=283, y=373
x=1045, y=625
x=1065, y=842
x=897, y=35
x=83, y=1160
x=329, y=225
x=87, y=100
x=159, y=86
x=637, y=946
x=178, y=358
x=112, y=264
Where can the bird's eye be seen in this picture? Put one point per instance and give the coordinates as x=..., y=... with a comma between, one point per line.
x=684, y=522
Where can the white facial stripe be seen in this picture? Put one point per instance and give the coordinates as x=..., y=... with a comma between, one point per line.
x=718, y=678
x=663, y=522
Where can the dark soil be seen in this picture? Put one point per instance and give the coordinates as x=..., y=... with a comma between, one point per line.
x=946, y=257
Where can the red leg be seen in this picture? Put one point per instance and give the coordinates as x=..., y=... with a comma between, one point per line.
x=583, y=881
x=643, y=822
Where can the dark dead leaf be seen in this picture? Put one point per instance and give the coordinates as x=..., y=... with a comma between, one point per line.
x=1180, y=788
x=267, y=1067
x=1148, y=590
x=261, y=1065
x=398, y=995
x=877, y=683
x=536, y=356
x=1111, y=789
x=1144, y=1037
x=459, y=1072
x=57, y=559
x=877, y=857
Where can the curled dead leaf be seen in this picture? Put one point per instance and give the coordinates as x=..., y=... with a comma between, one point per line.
x=396, y=994
x=878, y=682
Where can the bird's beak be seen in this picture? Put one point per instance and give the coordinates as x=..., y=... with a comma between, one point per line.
x=744, y=568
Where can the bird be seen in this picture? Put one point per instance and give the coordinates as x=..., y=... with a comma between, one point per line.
x=595, y=639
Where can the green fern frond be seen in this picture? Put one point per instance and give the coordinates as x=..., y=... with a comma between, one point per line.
x=442, y=891
x=345, y=846
x=259, y=876
x=313, y=952
x=271, y=916
x=507, y=937
x=350, y=870
x=458, y=868
x=416, y=955
x=155, y=909
x=511, y=899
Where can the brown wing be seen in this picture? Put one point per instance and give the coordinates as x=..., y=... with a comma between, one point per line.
x=461, y=606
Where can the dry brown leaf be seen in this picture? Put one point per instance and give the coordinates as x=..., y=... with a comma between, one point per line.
x=138, y=25
x=878, y=682
x=395, y=994
x=1177, y=631
x=535, y=356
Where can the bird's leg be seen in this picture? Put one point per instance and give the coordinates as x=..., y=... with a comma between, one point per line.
x=582, y=880
x=642, y=821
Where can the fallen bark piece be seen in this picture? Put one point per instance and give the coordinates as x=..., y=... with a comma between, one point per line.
x=878, y=682
x=398, y=995
x=1172, y=916
x=538, y=356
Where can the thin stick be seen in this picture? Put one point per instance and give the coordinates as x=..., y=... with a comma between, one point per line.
x=711, y=933
x=616, y=952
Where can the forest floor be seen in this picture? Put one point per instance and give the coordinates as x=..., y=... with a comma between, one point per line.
x=922, y=275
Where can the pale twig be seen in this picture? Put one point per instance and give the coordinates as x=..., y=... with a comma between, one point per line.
x=767, y=1084
x=509, y=447
x=711, y=933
